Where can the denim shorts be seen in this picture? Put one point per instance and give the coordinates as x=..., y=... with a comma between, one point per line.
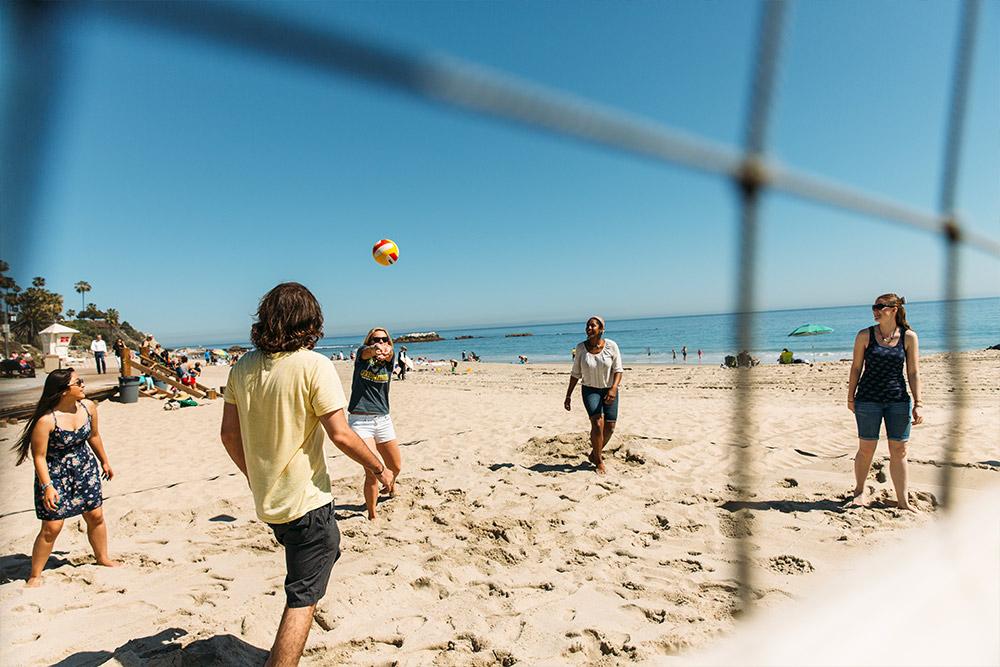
x=870, y=415
x=372, y=427
x=593, y=401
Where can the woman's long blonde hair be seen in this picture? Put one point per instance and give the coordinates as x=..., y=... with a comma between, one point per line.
x=368, y=338
x=899, y=302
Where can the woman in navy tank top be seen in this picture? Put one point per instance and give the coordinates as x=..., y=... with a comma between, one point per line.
x=877, y=393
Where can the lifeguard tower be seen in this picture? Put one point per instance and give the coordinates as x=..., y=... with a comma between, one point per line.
x=55, y=345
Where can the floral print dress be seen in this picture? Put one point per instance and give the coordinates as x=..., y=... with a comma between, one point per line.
x=74, y=473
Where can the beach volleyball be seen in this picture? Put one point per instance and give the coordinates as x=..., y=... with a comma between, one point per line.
x=385, y=252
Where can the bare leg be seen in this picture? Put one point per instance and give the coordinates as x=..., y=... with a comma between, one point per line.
x=897, y=470
x=291, y=638
x=862, y=464
x=42, y=549
x=389, y=451
x=371, y=484
x=97, y=533
x=597, y=443
x=609, y=430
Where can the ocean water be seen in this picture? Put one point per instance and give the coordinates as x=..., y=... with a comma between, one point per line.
x=652, y=340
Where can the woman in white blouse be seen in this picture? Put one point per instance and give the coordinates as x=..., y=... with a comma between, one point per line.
x=598, y=365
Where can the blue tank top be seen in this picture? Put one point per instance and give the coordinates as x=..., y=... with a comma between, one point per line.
x=882, y=380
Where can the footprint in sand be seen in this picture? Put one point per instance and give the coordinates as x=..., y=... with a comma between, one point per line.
x=687, y=565
x=737, y=524
x=786, y=564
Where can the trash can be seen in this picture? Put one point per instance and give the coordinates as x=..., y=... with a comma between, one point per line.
x=128, y=389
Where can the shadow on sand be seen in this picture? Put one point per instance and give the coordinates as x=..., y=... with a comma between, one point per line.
x=18, y=566
x=824, y=505
x=163, y=649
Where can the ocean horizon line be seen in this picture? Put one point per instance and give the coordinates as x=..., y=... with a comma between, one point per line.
x=236, y=339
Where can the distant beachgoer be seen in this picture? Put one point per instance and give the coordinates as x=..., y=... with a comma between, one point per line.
x=208, y=357
x=473, y=356
x=598, y=365
x=276, y=398
x=786, y=356
x=119, y=349
x=352, y=354
x=684, y=352
x=340, y=355
x=183, y=371
x=62, y=439
x=99, y=348
x=465, y=356
x=404, y=363
x=454, y=366
x=144, y=348
x=522, y=358
x=649, y=353
x=699, y=355
x=880, y=353
x=369, y=410
x=146, y=382
x=673, y=353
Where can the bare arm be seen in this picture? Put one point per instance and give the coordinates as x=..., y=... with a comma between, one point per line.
x=569, y=391
x=347, y=441
x=912, y=347
x=857, y=365
x=613, y=390
x=381, y=350
x=95, y=441
x=39, y=447
x=232, y=437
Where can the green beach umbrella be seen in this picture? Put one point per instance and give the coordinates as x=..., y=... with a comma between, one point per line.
x=811, y=330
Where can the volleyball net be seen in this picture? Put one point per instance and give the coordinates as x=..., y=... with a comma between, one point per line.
x=36, y=46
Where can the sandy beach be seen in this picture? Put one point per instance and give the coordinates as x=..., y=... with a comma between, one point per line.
x=503, y=546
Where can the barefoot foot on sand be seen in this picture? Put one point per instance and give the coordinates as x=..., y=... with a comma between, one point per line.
x=108, y=563
x=33, y=582
x=598, y=462
x=860, y=499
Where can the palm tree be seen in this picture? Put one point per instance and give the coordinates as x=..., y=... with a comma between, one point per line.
x=70, y=314
x=111, y=316
x=38, y=281
x=82, y=288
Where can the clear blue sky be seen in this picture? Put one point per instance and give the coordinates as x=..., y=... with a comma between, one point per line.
x=184, y=180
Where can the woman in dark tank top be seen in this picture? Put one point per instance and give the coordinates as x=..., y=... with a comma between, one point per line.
x=877, y=393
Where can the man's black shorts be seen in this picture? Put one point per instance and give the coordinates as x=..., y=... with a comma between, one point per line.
x=312, y=546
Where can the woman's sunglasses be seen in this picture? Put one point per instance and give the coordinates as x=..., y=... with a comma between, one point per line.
x=881, y=306
x=78, y=383
x=379, y=339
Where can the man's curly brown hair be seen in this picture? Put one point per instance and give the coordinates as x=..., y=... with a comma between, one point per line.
x=288, y=318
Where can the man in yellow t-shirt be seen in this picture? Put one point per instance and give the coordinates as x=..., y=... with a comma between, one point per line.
x=275, y=400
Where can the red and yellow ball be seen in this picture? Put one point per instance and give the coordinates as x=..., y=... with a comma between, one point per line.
x=385, y=252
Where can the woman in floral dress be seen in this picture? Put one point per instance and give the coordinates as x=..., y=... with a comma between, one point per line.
x=61, y=439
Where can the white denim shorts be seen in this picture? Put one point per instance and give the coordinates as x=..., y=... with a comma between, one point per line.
x=377, y=427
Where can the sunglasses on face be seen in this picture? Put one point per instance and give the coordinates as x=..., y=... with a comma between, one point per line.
x=78, y=383
x=379, y=339
x=881, y=306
